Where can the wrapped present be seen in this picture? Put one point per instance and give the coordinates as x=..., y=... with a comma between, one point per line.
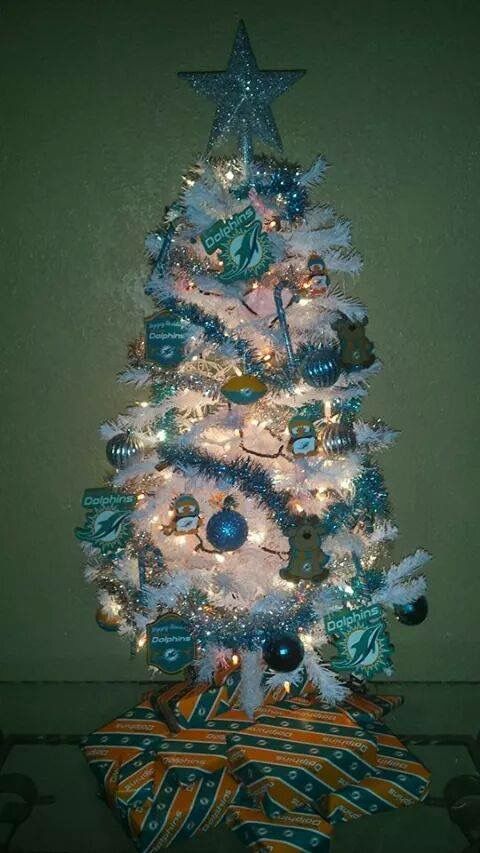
x=399, y=780
x=290, y=758
x=183, y=705
x=164, y=786
x=135, y=736
x=284, y=780
x=365, y=708
x=179, y=812
x=284, y=834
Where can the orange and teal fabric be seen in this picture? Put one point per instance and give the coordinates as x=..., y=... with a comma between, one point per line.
x=294, y=761
x=284, y=834
x=399, y=780
x=369, y=708
x=194, y=706
x=284, y=779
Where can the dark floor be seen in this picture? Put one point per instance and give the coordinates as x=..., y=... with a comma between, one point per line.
x=79, y=822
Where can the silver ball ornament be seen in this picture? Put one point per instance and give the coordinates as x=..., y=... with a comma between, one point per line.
x=337, y=439
x=122, y=449
x=321, y=368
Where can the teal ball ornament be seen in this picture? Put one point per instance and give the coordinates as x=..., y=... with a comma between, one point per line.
x=321, y=367
x=283, y=652
x=123, y=449
x=227, y=530
x=413, y=613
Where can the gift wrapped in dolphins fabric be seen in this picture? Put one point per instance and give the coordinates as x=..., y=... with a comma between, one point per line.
x=286, y=833
x=398, y=780
x=283, y=780
x=291, y=757
x=164, y=785
x=194, y=704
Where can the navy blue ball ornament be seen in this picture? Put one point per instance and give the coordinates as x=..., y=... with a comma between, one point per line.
x=227, y=530
x=123, y=449
x=321, y=367
x=283, y=652
x=413, y=613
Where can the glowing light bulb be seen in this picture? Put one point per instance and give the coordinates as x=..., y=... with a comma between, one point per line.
x=154, y=519
x=161, y=435
x=235, y=659
x=140, y=497
x=229, y=175
x=144, y=404
x=286, y=686
x=141, y=642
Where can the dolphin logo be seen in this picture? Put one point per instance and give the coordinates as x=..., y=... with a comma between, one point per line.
x=364, y=650
x=171, y=655
x=105, y=528
x=249, y=247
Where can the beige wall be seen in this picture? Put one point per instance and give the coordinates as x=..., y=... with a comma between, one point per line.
x=96, y=131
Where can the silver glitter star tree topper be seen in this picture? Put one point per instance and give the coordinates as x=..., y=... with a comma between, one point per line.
x=243, y=94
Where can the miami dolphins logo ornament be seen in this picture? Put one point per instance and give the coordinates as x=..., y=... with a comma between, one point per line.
x=107, y=523
x=361, y=639
x=245, y=251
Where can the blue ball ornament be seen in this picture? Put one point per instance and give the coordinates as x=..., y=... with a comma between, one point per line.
x=227, y=530
x=413, y=613
x=283, y=652
x=321, y=367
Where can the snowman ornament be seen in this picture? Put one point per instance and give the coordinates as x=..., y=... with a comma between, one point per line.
x=303, y=438
x=319, y=281
x=186, y=515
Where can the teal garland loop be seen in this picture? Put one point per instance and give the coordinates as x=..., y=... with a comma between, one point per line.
x=248, y=476
x=370, y=500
